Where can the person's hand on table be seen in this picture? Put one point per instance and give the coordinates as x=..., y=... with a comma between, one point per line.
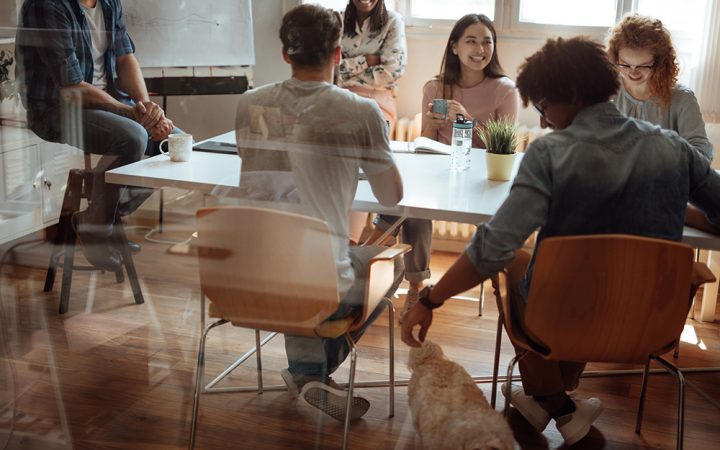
x=162, y=130
x=417, y=315
x=372, y=60
x=148, y=114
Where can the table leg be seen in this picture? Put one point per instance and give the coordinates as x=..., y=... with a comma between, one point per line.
x=710, y=290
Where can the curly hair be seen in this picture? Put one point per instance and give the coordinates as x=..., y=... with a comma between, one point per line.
x=450, y=65
x=378, y=18
x=568, y=70
x=644, y=33
x=310, y=34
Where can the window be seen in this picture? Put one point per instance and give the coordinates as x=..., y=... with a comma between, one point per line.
x=577, y=13
x=453, y=10
x=339, y=5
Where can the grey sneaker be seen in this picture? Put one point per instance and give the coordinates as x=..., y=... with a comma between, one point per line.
x=527, y=406
x=576, y=425
x=332, y=400
x=411, y=299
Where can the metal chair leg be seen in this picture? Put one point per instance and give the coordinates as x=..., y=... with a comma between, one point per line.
x=481, y=299
x=391, y=337
x=496, y=359
x=672, y=368
x=258, y=355
x=199, y=370
x=511, y=367
x=643, y=391
x=351, y=384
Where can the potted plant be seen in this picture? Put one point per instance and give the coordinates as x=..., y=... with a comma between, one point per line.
x=8, y=93
x=499, y=137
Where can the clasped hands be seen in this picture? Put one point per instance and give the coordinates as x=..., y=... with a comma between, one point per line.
x=151, y=116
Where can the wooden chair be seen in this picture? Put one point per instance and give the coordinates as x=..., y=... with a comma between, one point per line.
x=607, y=298
x=275, y=271
x=78, y=188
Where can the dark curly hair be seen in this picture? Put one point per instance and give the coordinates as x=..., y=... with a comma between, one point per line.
x=450, y=65
x=567, y=70
x=644, y=33
x=310, y=34
x=377, y=19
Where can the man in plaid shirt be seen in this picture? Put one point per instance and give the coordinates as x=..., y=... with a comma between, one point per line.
x=82, y=85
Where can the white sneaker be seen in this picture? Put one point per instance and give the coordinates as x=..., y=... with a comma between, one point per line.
x=527, y=406
x=292, y=385
x=576, y=425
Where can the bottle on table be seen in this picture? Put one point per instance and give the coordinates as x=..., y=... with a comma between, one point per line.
x=461, y=144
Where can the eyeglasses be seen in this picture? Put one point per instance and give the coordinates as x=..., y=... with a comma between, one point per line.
x=627, y=68
x=540, y=109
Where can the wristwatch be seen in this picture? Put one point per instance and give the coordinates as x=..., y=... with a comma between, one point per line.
x=424, y=298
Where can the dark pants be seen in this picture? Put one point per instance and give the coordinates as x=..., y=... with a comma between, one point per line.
x=540, y=377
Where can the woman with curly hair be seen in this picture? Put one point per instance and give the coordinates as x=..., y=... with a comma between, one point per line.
x=641, y=49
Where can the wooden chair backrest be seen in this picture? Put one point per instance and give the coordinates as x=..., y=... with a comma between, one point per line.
x=608, y=298
x=267, y=269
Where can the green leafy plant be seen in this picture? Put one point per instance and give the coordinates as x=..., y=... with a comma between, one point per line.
x=499, y=136
x=7, y=86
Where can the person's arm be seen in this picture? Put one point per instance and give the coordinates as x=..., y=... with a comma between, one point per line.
x=509, y=104
x=431, y=122
x=387, y=186
x=691, y=126
x=130, y=80
x=493, y=244
x=697, y=219
x=383, y=69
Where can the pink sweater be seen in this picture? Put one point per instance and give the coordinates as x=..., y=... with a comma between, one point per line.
x=491, y=99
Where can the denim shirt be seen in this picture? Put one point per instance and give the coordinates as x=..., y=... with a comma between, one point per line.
x=605, y=173
x=55, y=50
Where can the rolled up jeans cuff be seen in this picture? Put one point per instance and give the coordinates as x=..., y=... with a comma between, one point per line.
x=417, y=276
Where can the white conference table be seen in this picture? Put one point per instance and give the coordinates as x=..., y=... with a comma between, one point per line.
x=431, y=191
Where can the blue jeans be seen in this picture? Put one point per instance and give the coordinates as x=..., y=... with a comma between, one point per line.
x=320, y=357
x=120, y=141
x=418, y=234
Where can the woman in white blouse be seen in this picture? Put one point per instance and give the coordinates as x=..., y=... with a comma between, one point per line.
x=374, y=53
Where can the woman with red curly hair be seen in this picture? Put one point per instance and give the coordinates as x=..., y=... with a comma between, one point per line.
x=641, y=49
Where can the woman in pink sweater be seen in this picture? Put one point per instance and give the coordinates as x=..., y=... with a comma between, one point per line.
x=474, y=85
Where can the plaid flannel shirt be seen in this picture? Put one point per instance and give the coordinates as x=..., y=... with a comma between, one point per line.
x=54, y=49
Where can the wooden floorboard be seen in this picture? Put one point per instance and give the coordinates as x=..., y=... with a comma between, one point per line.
x=110, y=374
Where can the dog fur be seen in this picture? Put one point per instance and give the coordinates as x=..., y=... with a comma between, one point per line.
x=449, y=411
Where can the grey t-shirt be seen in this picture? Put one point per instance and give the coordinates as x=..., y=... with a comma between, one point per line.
x=682, y=114
x=319, y=136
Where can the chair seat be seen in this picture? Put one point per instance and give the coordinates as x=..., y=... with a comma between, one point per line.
x=328, y=329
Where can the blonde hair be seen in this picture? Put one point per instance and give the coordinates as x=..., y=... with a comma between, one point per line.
x=645, y=33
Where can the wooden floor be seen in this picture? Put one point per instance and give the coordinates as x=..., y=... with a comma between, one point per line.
x=110, y=374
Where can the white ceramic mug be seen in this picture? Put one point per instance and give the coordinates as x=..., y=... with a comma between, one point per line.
x=179, y=147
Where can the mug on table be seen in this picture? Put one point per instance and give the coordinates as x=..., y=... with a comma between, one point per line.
x=179, y=147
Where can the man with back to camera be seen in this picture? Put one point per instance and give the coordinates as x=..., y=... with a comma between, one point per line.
x=320, y=136
x=76, y=54
x=598, y=172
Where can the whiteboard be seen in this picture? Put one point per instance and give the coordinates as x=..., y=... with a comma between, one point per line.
x=179, y=33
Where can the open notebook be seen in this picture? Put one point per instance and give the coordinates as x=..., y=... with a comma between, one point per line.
x=420, y=145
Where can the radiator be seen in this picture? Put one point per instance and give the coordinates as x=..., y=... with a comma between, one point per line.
x=452, y=236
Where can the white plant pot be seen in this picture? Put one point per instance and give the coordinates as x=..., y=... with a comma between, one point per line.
x=499, y=166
